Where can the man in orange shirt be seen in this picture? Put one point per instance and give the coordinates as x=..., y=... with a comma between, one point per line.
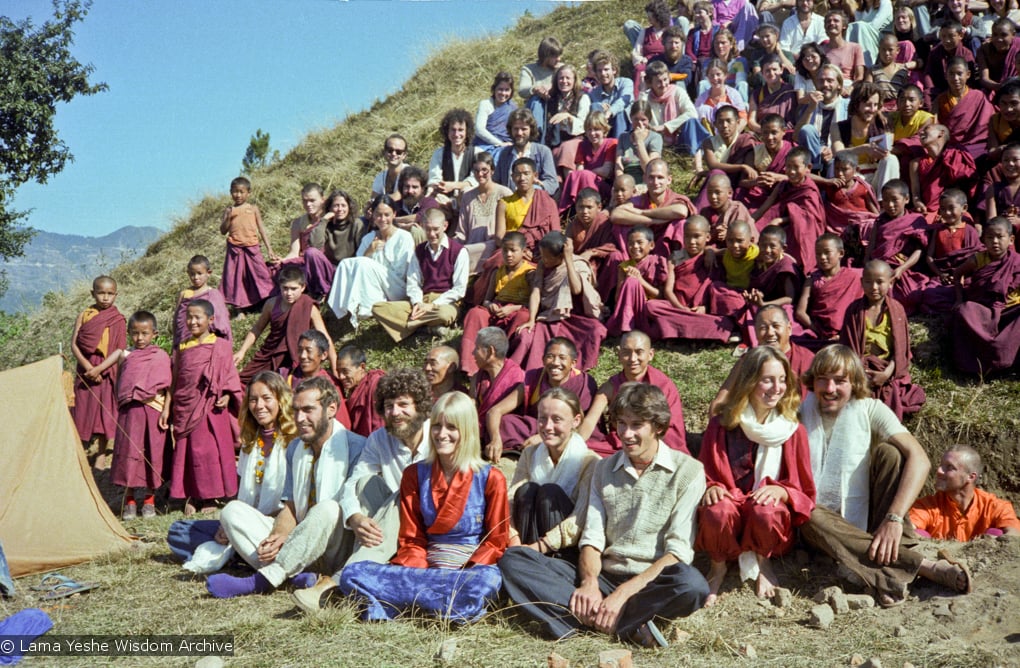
x=959, y=510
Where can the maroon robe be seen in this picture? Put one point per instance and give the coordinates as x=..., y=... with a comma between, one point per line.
x=734, y=525
x=968, y=120
x=518, y=427
x=279, y=352
x=205, y=437
x=361, y=404
x=782, y=102
x=986, y=333
x=899, y=394
x=219, y=325
x=843, y=210
x=607, y=442
x=756, y=195
x=490, y=391
x=599, y=240
x=661, y=320
x=954, y=168
x=830, y=299
x=949, y=259
x=722, y=220
x=802, y=204
x=771, y=283
x=630, y=295
x=95, y=406
x=800, y=361
x=141, y=457
x=897, y=239
x=247, y=280
x=588, y=159
x=666, y=234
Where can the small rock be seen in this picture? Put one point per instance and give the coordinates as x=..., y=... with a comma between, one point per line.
x=900, y=632
x=873, y=662
x=779, y=612
x=942, y=611
x=616, y=658
x=782, y=598
x=907, y=664
x=447, y=650
x=860, y=601
x=856, y=660
x=749, y=651
x=824, y=595
x=1000, y=592
x=209, y=662
x=822, y=616
x=839, y=603
x=557, y=661
x=679, y=636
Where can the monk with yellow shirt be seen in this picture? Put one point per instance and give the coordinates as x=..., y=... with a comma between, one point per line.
x=529, y=210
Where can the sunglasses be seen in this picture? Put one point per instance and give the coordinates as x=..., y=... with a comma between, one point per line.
x=395, y=151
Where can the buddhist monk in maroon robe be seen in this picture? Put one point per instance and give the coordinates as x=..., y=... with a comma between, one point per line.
x=828, y=293
x=359, y=384
x=141, y=457
x=639, y=279
x=796, y=204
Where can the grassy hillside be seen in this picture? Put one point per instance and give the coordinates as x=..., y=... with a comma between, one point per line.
x=459, y=74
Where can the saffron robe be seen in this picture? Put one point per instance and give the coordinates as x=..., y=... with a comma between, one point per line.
x=279, y=351
x=802, y=204
x=203, y=460
x=140, y=452
x=247, y=280
x=361, y=404
x=899, y=393
x=661, y=320
x=630, y=294
x=732, y=526
x=520, y=426
x=219, y=325
x=102, y=332
x=607, y=442
x=830, y=299
x=986, y=332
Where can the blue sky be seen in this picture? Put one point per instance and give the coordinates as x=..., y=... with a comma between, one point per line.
x=190, y=82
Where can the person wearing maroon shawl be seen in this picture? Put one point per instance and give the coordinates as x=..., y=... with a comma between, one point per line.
x=198, y=274
x=1002, y=187
x=659, y=208
x=563, y=302
x=99, y=331
x=775, y=279
x=721, y=210
x=936, y=66
x=140, y=453
x=205, y=396
x=681, y=314
x=945, y=164
x=965, y=111
x=497, y=375
x=774, y=97
x=358, y=385
x=638, y=280
x=246, y=278
x=635, y=353
x=953, y=240
x=595, y=162
x=307, y=239
x=759, y=485
x=287, y=316
x=512, y=423
x=797, y=205
x=591, y=232
x=768, y=160
x=313, y=350
x=985, y=326
x=850, y=203
x=875, y=328
x=828, y=293
x=996, y=58
x=728, y=293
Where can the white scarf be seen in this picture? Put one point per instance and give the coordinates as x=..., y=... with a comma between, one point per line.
x=330, y=472
x=264, y=497
x=566, y=472
x=841, y=463
x=770, y=435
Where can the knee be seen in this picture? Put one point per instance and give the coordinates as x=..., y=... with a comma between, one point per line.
x=327, y=512
x=721, y=512
x=886, y=457
x=232, y=512
x=762, y=515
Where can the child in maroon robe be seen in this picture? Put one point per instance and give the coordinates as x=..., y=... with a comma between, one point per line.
x=287, y=316
x=199, y=272
x=204, y=398
x=721, y=209
x=850, y=205
x=638, y=280
x=726, y=295
x=681, y=314
x=985, y=324
x=875, y=328
x=590, y=230
x=1002, y=191
x=358, y=384
x=313, y=350
x=246, y=277
x=99, y=331
x=563, y=302
x=827, y=294
x=775, y=280
x=953, y=240
x=141, y=453
x=767, y=160
x=797, y=205
x=965, y=111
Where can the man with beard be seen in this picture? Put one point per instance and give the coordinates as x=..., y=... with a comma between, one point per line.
x=523, y=131
x=369, y=502
x=442, y=371
x=310, y=528
x=823, y=107
x=412, y=188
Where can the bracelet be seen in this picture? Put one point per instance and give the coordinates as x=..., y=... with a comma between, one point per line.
x=893, y=517
x=540, y=542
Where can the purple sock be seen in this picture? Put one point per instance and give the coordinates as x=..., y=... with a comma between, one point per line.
x=221, y=585
x=304, y=580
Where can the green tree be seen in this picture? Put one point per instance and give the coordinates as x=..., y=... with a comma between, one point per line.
x=37, y=71
x=256, y=156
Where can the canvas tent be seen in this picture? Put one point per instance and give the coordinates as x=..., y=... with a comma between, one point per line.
x=51, y=512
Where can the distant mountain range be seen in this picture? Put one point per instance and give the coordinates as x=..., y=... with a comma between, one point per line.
x=53, y=262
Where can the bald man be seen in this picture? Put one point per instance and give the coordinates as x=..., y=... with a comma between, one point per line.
x=442, y=370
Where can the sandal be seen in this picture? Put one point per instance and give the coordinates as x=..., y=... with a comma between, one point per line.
x=64, y=587
x=51, y=580
x=947, y=572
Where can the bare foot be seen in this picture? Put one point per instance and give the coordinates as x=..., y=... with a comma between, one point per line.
x=716, y=575
x=767, y=580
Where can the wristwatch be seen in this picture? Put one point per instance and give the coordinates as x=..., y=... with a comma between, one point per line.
x=893, y=517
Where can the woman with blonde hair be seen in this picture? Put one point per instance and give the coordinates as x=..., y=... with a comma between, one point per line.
x=454, y=527
x=758, y=469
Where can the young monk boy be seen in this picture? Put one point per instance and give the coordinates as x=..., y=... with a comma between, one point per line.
x=624, y=189
x=638, y=280
x=726, y=295
x=722, y=209
x=775, y=278
x=724, y=151
x=875, y=327
x=767, y=162
x=205, y=385
x=986, y=329
x=98, y=331
x=828, y=292
x=682, y=313
x=850, y=203
x=563, y=302
x=286, y=316
x=590, y=230
x=796, y=205
x=140, y=453
x=199, y=273
x=953, y=240
x=506, y=298
x=635, y=353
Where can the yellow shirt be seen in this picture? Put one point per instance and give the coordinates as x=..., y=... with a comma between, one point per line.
x=982, y=259
x=516, y=209
x=513, y=288
x=878, y=337
x=738, y=272
x=911, y=128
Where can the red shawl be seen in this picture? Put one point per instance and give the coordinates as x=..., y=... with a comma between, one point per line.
x=990, y=284
x=535, y=384
x=755, y=196
x=831, y=297
x=598, y=239
x=219, y=325
x=895, y=235
x=770, y=282
x=203, y=374
x=734, y=212
x=802, y=204
x=968, y=120
x=543, y=216
x=855, y=323
x=143, y=374
x=844, y=208
x=361, y=404
x=950, y=258
x=90, y=334
x=954, y=168
x=800, y=361
x=691, y=280
x=794, y=473
x=490, y=391
x=676, y=436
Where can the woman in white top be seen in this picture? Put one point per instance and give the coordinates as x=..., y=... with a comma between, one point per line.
x=379, y=271
x=568, y=109
x=477, y=226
